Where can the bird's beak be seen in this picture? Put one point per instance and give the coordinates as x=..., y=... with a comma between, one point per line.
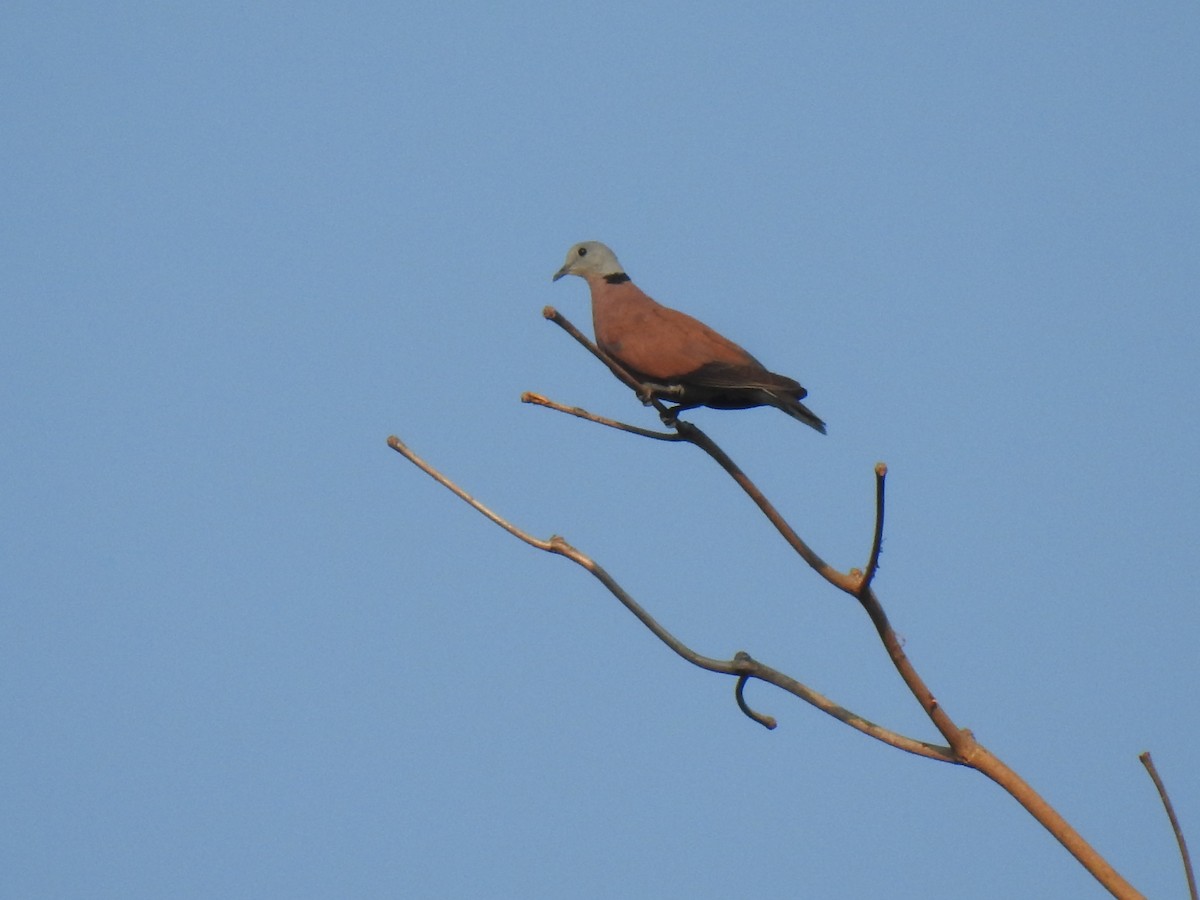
x=559, y=274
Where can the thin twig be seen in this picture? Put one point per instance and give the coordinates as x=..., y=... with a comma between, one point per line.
x=1166, y=802
x=400, y=447
x=539, y=400
x=877, y=540
x=765, y=721
x=838, y=579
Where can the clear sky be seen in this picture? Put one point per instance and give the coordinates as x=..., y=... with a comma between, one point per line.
x=249, y=651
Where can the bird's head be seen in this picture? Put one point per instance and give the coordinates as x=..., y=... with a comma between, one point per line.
x=590, y=259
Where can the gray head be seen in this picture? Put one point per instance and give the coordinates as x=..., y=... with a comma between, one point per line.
x=590, y=258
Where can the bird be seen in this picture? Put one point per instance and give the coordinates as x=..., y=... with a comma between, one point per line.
x=677, y=357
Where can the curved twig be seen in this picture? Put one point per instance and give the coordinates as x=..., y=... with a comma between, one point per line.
x=1169, y=807
x=767, y=722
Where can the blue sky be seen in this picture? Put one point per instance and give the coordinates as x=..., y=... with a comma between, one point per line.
x=248, y=650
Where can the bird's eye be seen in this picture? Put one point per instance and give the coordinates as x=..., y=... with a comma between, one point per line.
x=583, y=251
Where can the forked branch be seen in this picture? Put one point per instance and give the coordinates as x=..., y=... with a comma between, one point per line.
x=965, y=749
x=742, y=666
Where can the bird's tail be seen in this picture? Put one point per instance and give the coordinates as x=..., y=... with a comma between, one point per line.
x=799, y=411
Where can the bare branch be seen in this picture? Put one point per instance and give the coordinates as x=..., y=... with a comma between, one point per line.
x=1166, y=802
x=742, y=665
x=851, y=583
x=846, y=717
x=400, y=447
x=693, y=435
x=990, y=765
x=841, y=580
x=877, y=540
x=965, y=749
x=539, y=400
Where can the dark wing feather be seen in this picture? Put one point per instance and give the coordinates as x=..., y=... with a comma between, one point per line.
x=719, y=376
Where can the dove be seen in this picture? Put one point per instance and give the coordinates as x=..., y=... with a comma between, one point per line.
x=677, y=357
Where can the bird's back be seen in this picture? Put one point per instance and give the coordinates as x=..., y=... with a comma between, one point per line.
x=656, y=341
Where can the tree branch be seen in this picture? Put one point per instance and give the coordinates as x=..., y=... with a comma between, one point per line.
x=742, y=665
x=1166, y=802
x=539, y=400
x=850, y=582
x=966, y=750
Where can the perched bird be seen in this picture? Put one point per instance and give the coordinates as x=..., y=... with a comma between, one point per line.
x=679, y=358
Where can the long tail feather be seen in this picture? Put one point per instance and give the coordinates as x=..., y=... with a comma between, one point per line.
x=799, y=411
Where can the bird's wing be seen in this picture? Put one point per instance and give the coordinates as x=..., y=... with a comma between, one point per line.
x=719, y=376
x=659, y=342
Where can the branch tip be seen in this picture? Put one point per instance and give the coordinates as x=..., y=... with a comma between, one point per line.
x=765, y=721
x=536, y=399
x=864, y=583
x=549, y=312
